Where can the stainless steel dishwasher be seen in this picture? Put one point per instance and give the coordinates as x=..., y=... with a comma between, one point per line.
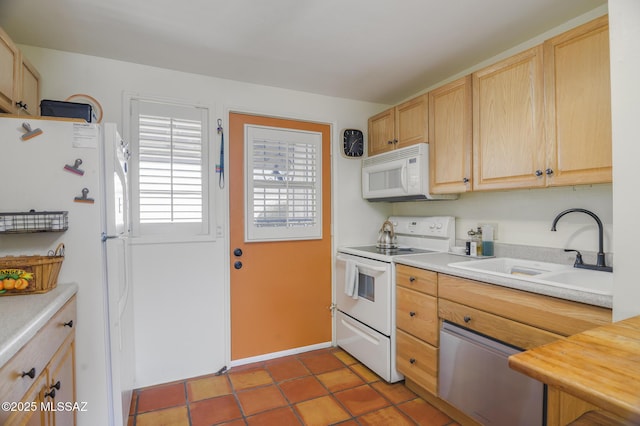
x=474, y=376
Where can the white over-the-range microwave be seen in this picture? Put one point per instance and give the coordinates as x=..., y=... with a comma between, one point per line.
x=399, y=175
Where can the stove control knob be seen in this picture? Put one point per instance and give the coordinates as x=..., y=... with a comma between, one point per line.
x=432, y=225
x=439, y=226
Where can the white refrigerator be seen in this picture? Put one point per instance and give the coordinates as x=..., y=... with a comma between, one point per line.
x=80, y=168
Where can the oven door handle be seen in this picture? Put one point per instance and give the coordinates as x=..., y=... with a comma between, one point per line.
x=368, y=337
x=364, y=266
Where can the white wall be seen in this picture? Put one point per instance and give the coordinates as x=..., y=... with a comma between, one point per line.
x=624, y=29
x=524, y=216
x=181, y=325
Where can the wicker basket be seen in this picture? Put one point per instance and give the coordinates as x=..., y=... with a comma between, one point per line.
x=30, y=274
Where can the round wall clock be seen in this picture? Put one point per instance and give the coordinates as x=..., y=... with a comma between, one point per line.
x=353, y=143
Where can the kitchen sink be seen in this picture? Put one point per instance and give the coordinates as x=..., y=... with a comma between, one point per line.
x=581, y=279
x=512, y=268
x=553, y=274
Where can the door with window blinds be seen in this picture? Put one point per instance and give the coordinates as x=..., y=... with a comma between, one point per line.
x=279, y=190
x=283, y=188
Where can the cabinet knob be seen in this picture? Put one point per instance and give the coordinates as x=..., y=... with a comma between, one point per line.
x=237, y=252
x=21, y=105
x=538, y=173
x=389, y=142
x=412, y=360
x=395, y=141
x=549, y=172
x=412, y=279
x=56, y=385
x=465, y=180
x=467, y=318
x=237, y=265
x=412, y=314
x=68, y=324
x=31, y=373
x=51, y=393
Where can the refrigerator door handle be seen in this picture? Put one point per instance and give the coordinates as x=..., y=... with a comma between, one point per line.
x=104, y=237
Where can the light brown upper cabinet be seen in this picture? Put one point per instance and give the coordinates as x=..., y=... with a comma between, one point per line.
x=29, y=88
x=400, y=126
x=450, y=131
x=578, y=105
x=19, y=80
x=9, y=71
x=508, y=123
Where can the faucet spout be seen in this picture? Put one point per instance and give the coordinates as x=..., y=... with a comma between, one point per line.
x=600, y=263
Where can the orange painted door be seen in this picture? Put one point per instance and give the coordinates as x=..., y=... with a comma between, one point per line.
x=280, y=297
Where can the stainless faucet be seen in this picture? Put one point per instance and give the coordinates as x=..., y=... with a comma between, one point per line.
x=600, y=263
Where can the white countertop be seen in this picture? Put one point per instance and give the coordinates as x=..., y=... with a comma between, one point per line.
x=22, y=316
x=438, y=262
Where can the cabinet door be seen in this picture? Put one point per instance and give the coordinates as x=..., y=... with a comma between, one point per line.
x=417, y=314
x=412, y=122
x=450, y=132
x=508, y=127
x=62, y=379
x=9, y=69
x=381, y=132
x=563, y=408
x=417, y=360
x=578, y=93
x=29, y=88
x=31, y=413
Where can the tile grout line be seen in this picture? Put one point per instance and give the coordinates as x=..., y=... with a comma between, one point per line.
x=264, y=366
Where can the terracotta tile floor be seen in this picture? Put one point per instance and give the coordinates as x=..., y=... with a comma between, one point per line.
x=323, y=387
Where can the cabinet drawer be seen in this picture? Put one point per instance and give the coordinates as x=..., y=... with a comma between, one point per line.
x=558, y=316
x=417, y=279
x=418, y=361
x=417, y=314
x=511, y=332
x=36, y=354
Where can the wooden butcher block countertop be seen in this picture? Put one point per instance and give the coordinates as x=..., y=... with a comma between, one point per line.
x=600, y=366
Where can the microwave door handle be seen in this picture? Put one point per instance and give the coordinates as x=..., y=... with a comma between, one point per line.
x=403, y=178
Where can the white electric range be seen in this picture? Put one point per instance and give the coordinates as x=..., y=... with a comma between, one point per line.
x=365, y=290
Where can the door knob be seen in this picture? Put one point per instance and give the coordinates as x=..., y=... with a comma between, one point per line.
x=237, y=252
x=237, y=265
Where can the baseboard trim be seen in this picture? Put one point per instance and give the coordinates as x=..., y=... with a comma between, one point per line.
x=274, y=355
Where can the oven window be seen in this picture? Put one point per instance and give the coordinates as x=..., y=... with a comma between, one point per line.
x=366, y=287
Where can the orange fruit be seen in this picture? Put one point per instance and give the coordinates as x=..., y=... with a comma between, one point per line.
x=21, y=284
x=9, y=283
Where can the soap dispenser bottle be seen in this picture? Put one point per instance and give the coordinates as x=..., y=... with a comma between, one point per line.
x=487, y=240
x=471, y=248
x=478, y=239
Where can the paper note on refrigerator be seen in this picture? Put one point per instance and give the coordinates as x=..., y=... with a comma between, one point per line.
x=85, y=135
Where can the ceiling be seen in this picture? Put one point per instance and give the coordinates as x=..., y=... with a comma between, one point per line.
x=371, y=50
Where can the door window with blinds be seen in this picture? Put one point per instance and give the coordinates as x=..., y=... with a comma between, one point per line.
x=170, y=176
x=283, y=184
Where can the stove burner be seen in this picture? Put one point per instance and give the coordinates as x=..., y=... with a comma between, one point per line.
x=396, y=251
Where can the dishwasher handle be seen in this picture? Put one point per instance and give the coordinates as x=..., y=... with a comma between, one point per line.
x=496, y=346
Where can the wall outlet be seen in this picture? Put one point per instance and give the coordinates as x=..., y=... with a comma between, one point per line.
x=495, y=228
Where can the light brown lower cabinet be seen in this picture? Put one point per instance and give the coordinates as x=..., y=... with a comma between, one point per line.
x=522, y=319
x=38, y=383
x=418, y=360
